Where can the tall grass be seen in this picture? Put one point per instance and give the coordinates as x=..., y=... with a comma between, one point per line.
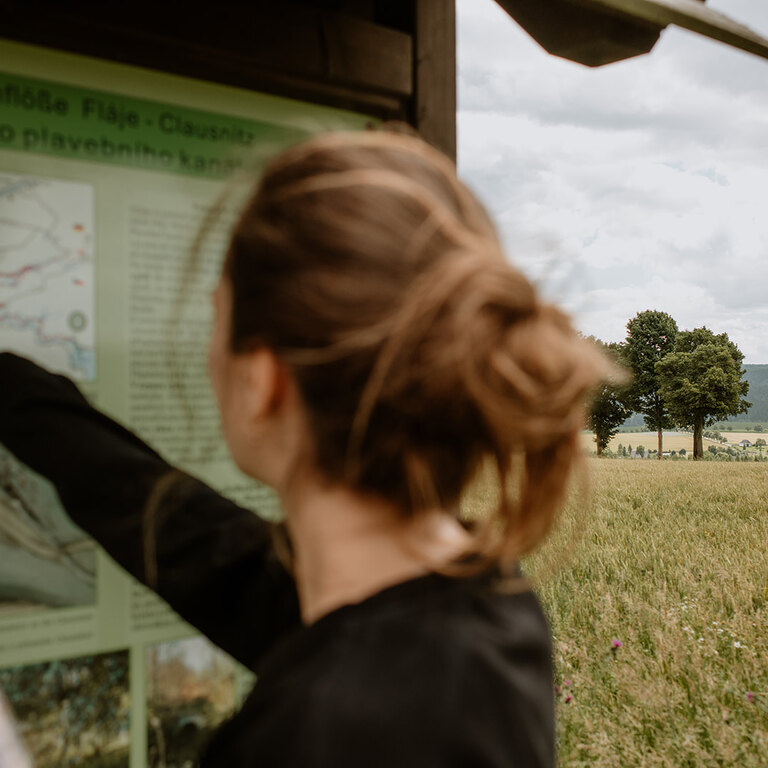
x=660, y=617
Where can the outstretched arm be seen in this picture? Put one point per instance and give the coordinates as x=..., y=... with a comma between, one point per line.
x=214, y=560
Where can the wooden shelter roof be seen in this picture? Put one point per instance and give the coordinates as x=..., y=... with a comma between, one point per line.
x=393, y=59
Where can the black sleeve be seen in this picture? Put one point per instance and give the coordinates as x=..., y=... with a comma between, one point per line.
x=215, y=562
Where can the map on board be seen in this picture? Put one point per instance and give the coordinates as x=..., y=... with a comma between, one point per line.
x=46, y=272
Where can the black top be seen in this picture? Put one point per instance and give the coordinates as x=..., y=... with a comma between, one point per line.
x=434, y=671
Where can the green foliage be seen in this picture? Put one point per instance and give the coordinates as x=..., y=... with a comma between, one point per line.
x=701, y=381
x=651, y=336
x=609, y=408
x=86, y=698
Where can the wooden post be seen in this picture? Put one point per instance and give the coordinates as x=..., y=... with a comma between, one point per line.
x=434, y=103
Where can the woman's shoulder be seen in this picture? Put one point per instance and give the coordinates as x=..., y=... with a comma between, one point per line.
x=460, y=665
x=433, y=671
x=485, y=608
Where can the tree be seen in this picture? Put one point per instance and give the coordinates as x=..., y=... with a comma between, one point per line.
x=701, y=382
x=651, y=337
x=83, y=703
x=609, y=408
x=760, y=444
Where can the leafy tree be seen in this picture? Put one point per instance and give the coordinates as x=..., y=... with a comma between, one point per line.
x=81, y=703
x=651, y=337
x=609, y=408
x=701, y=382
x=760, y=444
x=640, y=450
x=759, y=428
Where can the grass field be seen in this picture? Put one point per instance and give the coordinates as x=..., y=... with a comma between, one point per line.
x=672, y=563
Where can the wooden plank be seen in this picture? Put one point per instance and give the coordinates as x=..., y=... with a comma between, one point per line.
x=594, y=36
x=692, y=15
x=363, y=54
x=434, y=104
x=285, y=48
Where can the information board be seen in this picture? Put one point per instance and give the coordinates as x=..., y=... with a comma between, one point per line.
x=106, y=173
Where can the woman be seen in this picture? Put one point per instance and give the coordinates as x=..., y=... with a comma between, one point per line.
x=372, y=349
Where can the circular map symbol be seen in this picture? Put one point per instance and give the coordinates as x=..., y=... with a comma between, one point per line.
x=77, y=321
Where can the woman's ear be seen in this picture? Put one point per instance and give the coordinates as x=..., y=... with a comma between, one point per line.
x=265, y=381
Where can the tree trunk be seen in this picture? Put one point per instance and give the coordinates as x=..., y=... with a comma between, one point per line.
x=660, y=443
x=698, y=439
x=599, y=450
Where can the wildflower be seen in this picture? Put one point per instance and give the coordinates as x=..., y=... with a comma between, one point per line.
x=567, y=683
x=558, y=689
x=568, y=699
x=737, y=644
x=750, y=696
x=616, y=644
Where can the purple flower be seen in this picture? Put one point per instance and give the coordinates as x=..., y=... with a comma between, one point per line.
x=568, y=699
x=567, y=683
x=750, y=696
x=616, y=644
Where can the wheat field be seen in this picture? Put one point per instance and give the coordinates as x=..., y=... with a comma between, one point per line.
x=660, y=616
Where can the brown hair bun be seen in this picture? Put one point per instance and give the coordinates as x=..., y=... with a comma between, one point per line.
x=419, y=351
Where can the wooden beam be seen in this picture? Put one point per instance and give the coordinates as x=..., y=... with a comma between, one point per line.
x=692, y=15
x=365, y=55
x=290, y=49
x=593, y=36
x=434, y=104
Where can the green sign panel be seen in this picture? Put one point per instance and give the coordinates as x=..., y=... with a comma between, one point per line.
x=83, y=124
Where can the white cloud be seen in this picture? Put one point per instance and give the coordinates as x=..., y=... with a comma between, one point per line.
x=633, y=186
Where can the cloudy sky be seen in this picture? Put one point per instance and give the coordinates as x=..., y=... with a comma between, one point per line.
x=639, y=185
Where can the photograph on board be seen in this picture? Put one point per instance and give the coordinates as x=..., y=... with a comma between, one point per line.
x=72, y=711
x=190, y=691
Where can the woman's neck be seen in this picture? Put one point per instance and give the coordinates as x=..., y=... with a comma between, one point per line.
x=348, y=546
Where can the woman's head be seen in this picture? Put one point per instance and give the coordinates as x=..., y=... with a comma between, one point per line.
x=378, y=282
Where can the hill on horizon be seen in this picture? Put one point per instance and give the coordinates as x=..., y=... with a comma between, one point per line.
x=757, y=376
